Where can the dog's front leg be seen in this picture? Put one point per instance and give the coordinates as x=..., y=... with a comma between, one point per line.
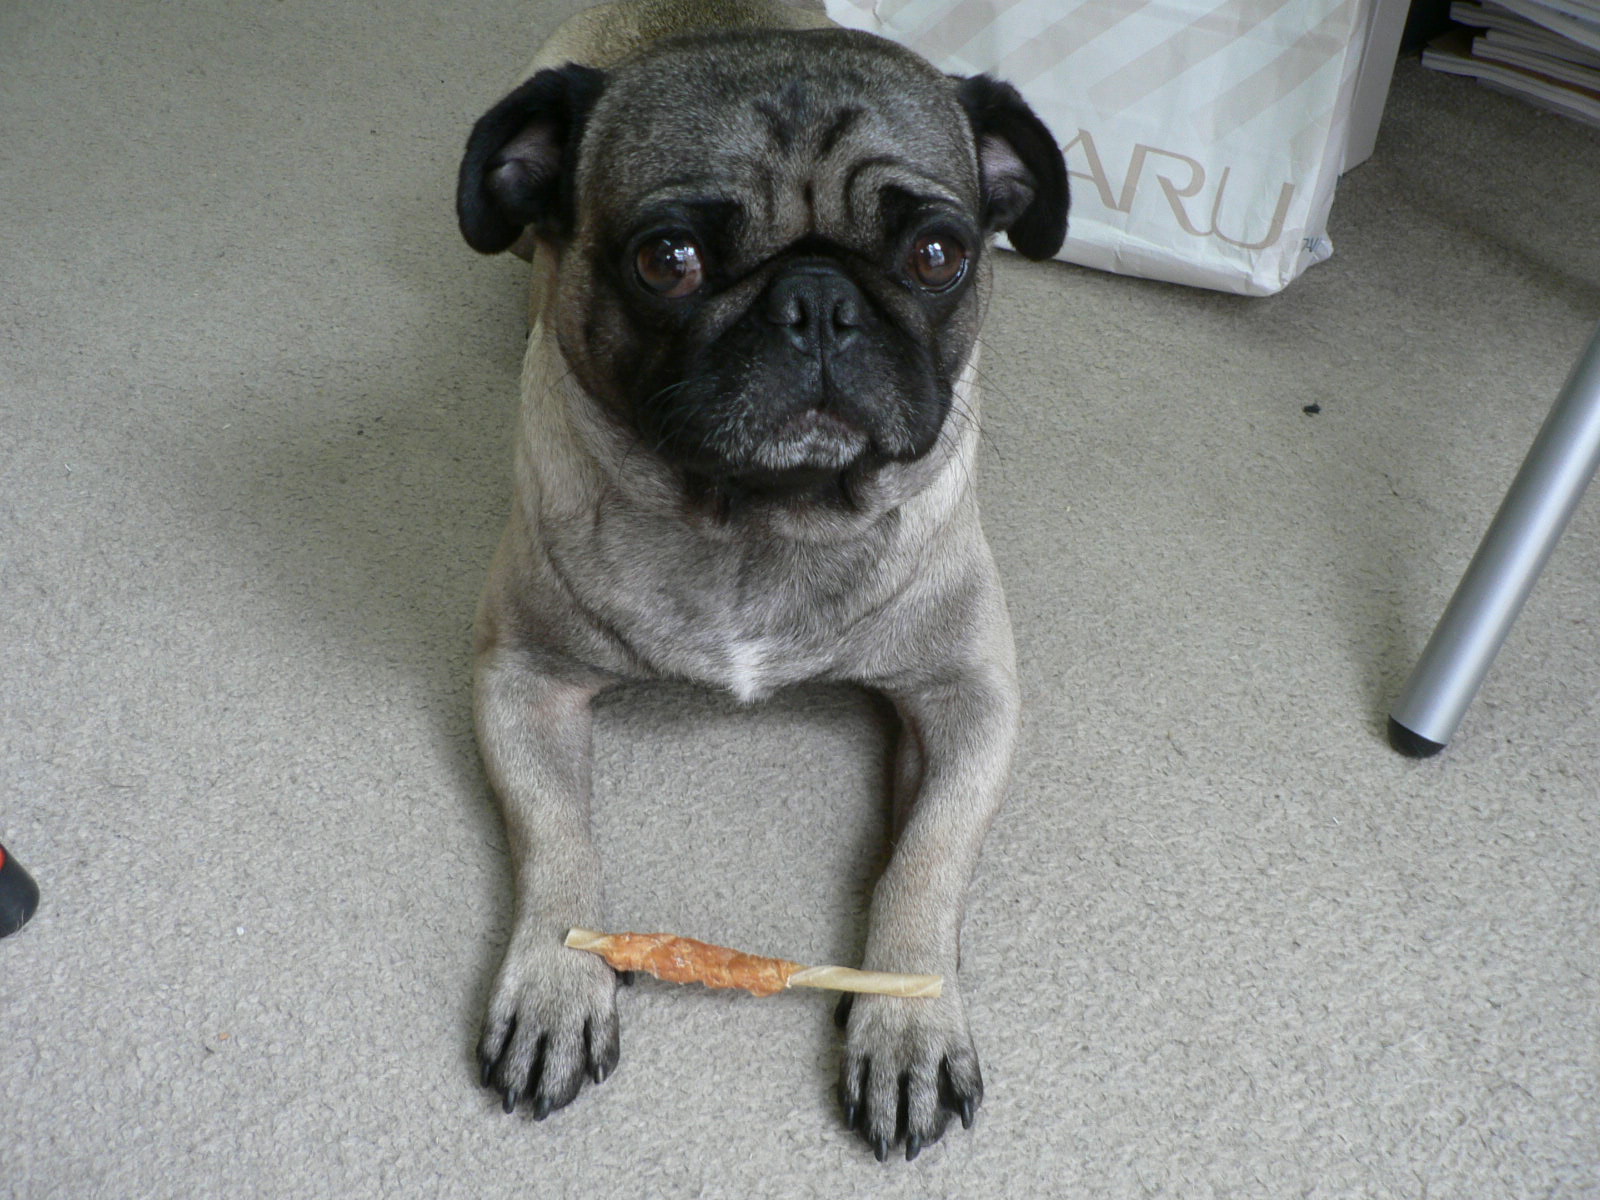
x=552, y=1016
x=909, y=1065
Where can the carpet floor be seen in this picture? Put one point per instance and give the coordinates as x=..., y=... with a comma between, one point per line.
x=255, y=412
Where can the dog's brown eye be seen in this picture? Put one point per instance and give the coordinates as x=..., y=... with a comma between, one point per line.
x=670, y=267
x=938, y=261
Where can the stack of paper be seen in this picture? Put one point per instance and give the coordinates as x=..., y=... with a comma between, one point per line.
x=1545, y=50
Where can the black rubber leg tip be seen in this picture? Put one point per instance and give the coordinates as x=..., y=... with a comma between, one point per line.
x=19, y=895
x=1412, y=745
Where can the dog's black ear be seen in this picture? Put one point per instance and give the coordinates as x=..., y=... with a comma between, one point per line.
x=1022, y=173
x=521, y=156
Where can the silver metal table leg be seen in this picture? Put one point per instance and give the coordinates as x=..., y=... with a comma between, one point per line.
x=1546, y=491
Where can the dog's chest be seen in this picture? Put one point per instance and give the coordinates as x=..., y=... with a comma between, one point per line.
x=748, y=619
x=709, y=624
x=752, y=666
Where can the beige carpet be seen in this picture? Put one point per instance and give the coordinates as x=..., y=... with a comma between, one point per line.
x=256, y=402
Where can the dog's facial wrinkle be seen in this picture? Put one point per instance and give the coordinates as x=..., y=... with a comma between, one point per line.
x=714, y=382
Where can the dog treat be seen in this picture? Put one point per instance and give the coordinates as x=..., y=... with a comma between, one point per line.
x=684, y=960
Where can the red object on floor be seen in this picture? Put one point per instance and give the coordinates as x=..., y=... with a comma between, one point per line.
x=19, y=894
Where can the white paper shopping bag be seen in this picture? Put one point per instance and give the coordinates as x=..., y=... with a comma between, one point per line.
x=1203, y=137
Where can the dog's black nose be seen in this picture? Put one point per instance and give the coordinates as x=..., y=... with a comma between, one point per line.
x=818, y=309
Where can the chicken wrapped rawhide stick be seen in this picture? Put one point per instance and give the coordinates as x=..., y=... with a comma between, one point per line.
x=684, y=960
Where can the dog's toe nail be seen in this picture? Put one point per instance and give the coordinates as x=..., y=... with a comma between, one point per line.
x=913, y=1147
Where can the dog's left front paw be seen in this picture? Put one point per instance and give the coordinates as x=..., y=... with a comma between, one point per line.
x=909, y=1066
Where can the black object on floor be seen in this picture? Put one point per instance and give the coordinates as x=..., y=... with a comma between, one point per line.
x=19, y=894
x=1411, y=743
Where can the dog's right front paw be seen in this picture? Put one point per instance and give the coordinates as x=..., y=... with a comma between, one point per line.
x=552, y=1021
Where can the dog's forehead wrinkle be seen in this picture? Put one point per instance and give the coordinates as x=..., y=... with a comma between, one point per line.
x=800, y=115
x=797, y=95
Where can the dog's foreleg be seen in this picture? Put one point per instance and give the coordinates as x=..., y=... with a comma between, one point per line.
x=552, y=1017
x=910, y=1064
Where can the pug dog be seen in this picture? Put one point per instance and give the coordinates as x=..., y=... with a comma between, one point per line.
x=745, y=458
